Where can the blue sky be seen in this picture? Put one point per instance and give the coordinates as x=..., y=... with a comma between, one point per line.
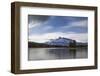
x=43, y=28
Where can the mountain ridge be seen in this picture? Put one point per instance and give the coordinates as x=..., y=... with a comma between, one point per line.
x=58, y=42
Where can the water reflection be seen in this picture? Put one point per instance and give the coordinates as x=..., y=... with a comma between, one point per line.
x=56, y=53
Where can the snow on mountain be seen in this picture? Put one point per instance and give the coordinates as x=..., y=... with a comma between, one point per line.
x=60, y=41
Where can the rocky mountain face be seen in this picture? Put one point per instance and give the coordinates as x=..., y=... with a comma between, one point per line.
x=60, y=41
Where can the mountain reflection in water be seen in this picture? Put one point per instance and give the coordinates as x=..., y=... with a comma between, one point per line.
x=56, y=53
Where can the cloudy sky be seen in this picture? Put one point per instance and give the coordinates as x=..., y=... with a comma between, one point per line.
x=43, y=28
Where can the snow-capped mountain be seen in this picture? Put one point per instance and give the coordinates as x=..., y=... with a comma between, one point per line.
x=60, y=41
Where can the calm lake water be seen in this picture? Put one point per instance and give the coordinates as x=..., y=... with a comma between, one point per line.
x=56, y=53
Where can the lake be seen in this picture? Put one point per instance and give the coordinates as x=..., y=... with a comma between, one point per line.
x=56, y=53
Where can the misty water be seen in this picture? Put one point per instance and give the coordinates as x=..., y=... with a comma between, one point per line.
x=56, y=53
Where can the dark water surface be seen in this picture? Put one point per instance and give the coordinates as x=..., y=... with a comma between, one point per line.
x=56, y=53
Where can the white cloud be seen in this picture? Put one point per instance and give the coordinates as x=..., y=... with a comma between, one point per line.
x=43, y=37
x=34, y=24
x=81, y=23
x=80, y=37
